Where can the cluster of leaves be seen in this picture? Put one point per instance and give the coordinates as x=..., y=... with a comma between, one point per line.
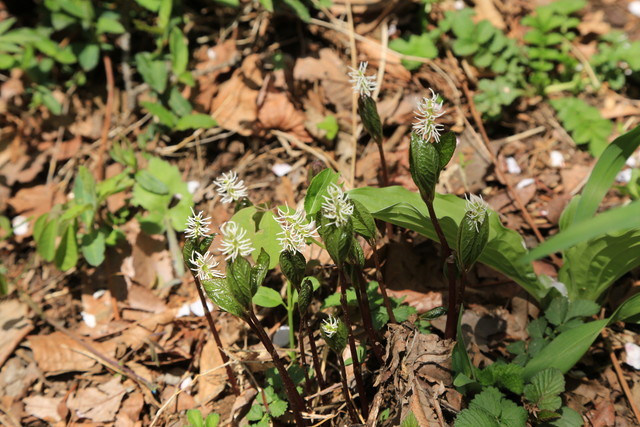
x=85, y=226
x=195, y=419
x=541, y=396
x=617, y=59
x=586, y=124
x=261, y=415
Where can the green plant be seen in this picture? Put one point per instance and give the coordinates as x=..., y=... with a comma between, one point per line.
x=617, y=59
x=195, y=418
x=586, y=124
x=79, y=223
x=494, y=95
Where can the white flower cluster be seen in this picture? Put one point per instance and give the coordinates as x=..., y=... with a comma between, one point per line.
x=205, y=266
x=230, y=187
x=234, y=242
x=330, y=326
x=426, y=114
x=361, y=83
x=477, y=207
x=197, y=226
x=295, y=229
x=336, y=206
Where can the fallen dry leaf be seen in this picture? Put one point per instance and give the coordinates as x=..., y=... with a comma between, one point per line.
x=278, y=112
x=99, y=404
x=212, y=382
x=15, y=325
x=45, y=408
x=57, y=353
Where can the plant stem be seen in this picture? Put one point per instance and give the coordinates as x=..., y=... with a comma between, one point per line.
x=383, y=164
x=303, y=359
x=345, y=391
x=357, y=370
x=290, y=307
x=365, y=309
x=447, y=254
x=298, y=405
x=216, y=337
x=314, y=355
x=381, y=284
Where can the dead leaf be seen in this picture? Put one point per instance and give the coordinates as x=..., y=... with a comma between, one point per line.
x=130, y=411
x=141, y=298
x=99, y=404
x=212, y=382
x=44, y=408
x=486, y=9
x=278, y=112
x=15, y=326
x=57, y=353
x=331, y=72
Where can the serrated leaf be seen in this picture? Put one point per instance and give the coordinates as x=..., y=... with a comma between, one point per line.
x=239, y=281
x=475, y=418
x=368, y=112
x=416, y=45
x=259, y=271
x=471, y=241
x=293, y=266
x=218, y=291
x=424, y=162
x=446, y=147
x=488, y=400
x=557, y=311
x=363, y=222
x=278, y=408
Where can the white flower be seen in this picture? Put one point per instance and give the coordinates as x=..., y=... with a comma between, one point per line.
x=197, y=226
x=204, y=266
x=234, y=242
x=295, y=229
x=330, y=326
x=361, y=83
x=230, y=188
x=428, y=110
x=477, y=208
x=336, y=206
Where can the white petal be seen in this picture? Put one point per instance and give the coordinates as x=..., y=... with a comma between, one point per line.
x=192, y=186
x=88, y=319
x=281, y=169
x=512, y=166
x=633, y=355
x=557, y=159
x=184, y=311
x=525, y=183
x=197, y=309
x=20, y=225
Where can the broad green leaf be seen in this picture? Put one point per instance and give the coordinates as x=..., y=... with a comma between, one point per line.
x=164, y=116
x=293, y=266
x=151, y=183
x=93, y=247
x=604, y=173
x=194, y=416
x=263, y=235
x=218, y=291
x=259, y=271
x=370, y=119
x=239, y=281
x=424, y=162
x=337, y=240
x=267, y=297
x=628, y=311
x=318, y=189
x=299, y=8
x=84, y=192
x=488, y=400
x=612, y=221
x=557, y=311
x=471, y=241
x=446, y=147
x=47, y=240
x=591, y=267
x=154, y=71
x=195, y=121
x=568, y=418
x=38, y=226
x=178, y=45
x=178, y=103
x=330, y=124
x=544, y=389
x=89, y=56
x=363, y=222
x=404, y=208
x=475, y=418
x=164, y=13
x=460, y=360
x=109, y=24
x=67, y=252
x=212, y=420
x=566, y=349
x=410, y=421
x=420, y=46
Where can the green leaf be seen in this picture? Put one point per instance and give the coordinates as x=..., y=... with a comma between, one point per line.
x=47, y=240
x=259, y=271
x=424, y=162
x=299, y=8
x=568, y=418
x=446, y=147
x=239, y=280
x=582, y=308
x=267, y=4
x=475, y=418
x=278, y=408
x=611, y=221
x=410, y=421
x=338, y=340
x=93, y=247
x=488, y=400
x=153, y=71
x=604, y=173
x=267, y=297
x=566, y=349
x=179, y=47
x=212, y=420
x=306, y=294
x=460, y=360
x=318, y=189
x=363, y=222
x=262, y=230
x=370, y=119
x=219, y=292
x=330, y=124
x=84, y=192
x=416, y=45
x=194, y=416
x=109, y=24
x=337, y=240
x=196, y=121
x=178, y=103
x=545, y=388
x=164, y=13
x=471, y=241
x=67, y=252
x=293, y=266
x=504, y=251
x=628, y=311
x=557, y=311
x=151, y=183
x=89, y=56
x=164, y=116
